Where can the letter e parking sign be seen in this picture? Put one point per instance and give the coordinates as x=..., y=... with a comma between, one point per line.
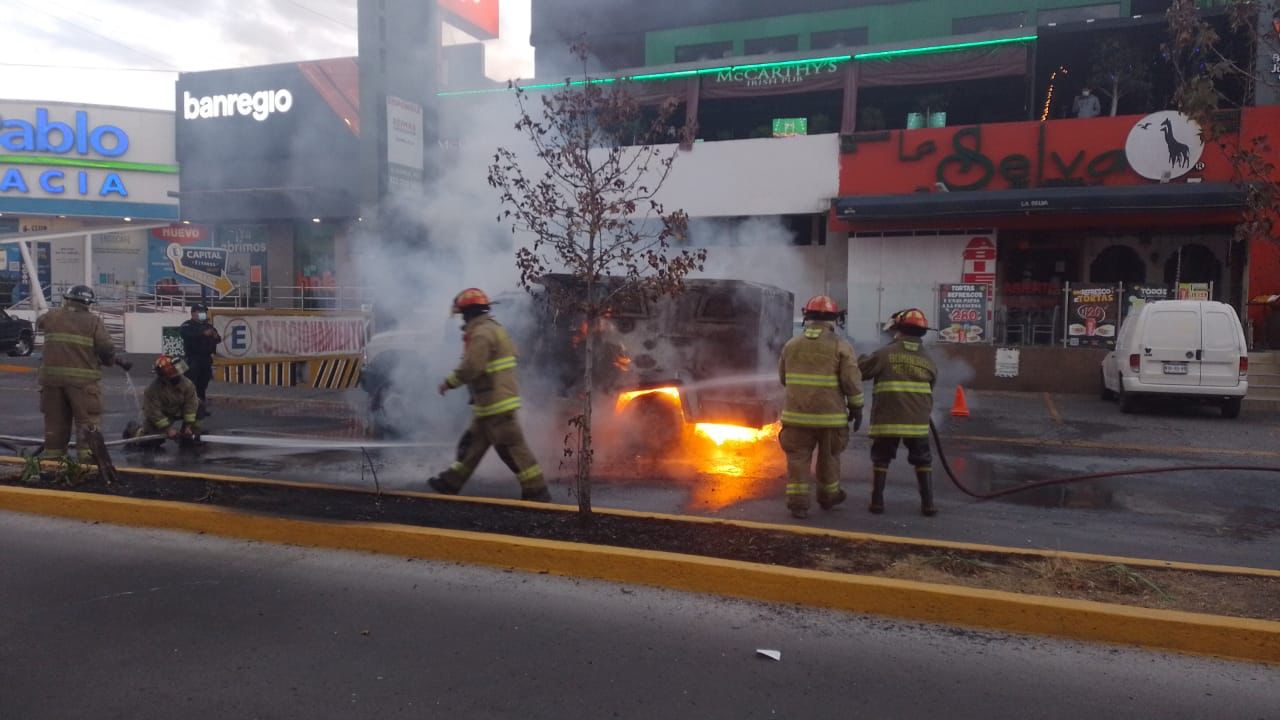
x=238, y=338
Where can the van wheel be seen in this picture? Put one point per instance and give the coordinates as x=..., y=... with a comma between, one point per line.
x=1106, y=393
x=1231, y=408
x=1128, y=403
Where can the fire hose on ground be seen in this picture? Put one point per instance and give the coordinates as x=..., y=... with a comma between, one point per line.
x=295, y=443
x=1035, y=484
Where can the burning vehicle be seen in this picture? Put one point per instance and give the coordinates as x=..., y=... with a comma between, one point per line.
x=705, y=360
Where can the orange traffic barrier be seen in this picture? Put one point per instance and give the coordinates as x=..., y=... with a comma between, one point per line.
x=961, y=406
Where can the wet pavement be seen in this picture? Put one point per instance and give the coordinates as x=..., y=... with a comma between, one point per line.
x=1226, y=517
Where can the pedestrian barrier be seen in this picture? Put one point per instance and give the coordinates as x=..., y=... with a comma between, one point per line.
x=338, y=373
x=279, y=373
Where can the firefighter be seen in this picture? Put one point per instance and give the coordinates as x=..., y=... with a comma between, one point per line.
x=488, y=369
x=904, y=376
x=170, y=399
x=823, y=396
x=76, y=346
x=199, y=343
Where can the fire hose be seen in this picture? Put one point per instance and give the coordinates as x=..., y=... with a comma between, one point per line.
x=946, y=466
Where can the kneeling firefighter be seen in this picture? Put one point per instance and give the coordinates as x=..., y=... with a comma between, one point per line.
x=170, y=399
x=904, y=376
x=488, y=369
x=823, y=395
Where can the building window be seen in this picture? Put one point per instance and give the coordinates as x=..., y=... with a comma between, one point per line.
x=704, y=51
x=1078, y=14
x=987, y=23
x=765, y=46
x=847, y=37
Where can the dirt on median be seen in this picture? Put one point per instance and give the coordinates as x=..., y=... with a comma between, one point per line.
x=1238, y=595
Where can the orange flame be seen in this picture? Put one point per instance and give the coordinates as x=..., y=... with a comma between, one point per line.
x=721, y=434
x=734, y=462
x=625, y=398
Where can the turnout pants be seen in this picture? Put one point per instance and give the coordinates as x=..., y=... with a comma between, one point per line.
x=799, y=444
x=885, y=449
x=503, y=434
x=64, y=405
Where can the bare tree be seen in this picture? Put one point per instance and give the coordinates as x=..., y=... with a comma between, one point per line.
x=590, y=209
x=1217, y=74
x=1119, y=69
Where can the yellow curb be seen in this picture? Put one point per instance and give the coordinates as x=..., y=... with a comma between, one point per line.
x=750, y=524
x=17, y=368
x=1233, y=638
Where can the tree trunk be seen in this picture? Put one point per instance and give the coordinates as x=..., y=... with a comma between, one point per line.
x=584, y=443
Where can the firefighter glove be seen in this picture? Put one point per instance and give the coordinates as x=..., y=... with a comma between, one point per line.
x=171, y=433
x=855, y=417
x=125, y=365
x=443, y=388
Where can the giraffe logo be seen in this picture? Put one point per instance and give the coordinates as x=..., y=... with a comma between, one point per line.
x=1164, y=146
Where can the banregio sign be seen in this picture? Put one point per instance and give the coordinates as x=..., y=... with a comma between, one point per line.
x=58, y=152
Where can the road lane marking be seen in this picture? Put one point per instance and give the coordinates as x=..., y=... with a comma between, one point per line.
x=1086, y=445
x=1053, y=409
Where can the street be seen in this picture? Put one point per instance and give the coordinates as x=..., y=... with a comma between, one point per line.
x=1213, y=517
x=105, y=622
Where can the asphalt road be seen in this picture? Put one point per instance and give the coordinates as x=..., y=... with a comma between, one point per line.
x=1215, y=517
x=105, y=622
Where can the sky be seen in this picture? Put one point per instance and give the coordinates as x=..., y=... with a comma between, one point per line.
x=128, y=52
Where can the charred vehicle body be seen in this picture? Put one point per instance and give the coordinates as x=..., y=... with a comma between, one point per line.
x=708, y=355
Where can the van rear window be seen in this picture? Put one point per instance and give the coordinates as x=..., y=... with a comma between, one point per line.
x=1174, y=329
x=1219, y=331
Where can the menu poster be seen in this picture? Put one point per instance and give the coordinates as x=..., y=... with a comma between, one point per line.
x=963, y=309
x=1135, y=296
x=1091, y=316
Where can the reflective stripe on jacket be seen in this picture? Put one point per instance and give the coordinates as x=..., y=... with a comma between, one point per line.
x=904, y=376
x=821, y=378
x=488, y=368
x=76, y=343
x=163, y=402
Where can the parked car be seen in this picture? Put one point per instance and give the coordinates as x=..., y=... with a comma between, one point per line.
x=1190, y=349
x=17, y=337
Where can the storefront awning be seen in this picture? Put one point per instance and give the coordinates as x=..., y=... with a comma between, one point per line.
x=1042, y=201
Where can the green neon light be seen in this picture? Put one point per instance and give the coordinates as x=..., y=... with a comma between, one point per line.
x=941, y=48
x=760, y=66
x=89, y=164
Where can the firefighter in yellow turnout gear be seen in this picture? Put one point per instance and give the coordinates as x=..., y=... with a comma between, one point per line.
x=823, y=396
x=904, y=376
x=488, y=369
x=76, y=346
x=170, y=399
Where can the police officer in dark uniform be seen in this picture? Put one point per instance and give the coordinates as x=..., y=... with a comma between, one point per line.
x=199, y=342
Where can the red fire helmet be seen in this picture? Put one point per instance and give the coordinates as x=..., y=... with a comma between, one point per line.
x=469, y=298
x=169, y=367
x=912, y=318
x=821, y=304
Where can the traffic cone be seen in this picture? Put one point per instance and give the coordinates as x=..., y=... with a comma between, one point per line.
x=960, y=408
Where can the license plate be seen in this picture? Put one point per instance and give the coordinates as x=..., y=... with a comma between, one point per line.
x=1175, y=368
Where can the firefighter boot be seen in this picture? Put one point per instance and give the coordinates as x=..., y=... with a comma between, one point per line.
x=829, y=500
x=538, y=494
x=446, y=483
x=924, y=478
x=878, y=478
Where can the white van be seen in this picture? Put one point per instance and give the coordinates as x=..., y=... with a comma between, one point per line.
x=1184, y=348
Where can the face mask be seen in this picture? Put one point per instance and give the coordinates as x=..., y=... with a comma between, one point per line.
x=202, y=316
